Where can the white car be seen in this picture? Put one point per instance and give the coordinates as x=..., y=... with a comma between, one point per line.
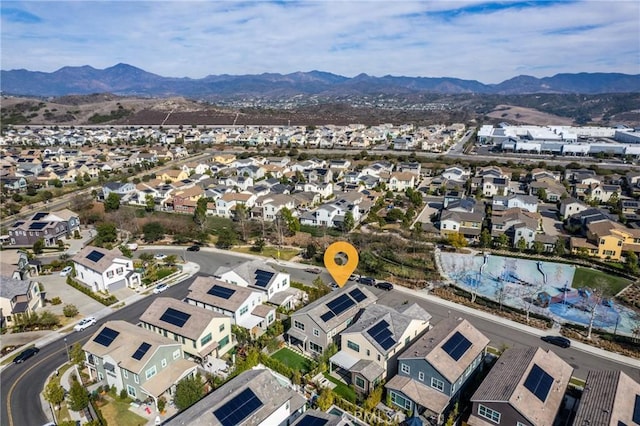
x=160, y=288
x=159, y=256
x=66, y=271
x=85, y=323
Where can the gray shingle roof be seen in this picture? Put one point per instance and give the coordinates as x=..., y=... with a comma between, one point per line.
x=608, y=398
x=12, y=287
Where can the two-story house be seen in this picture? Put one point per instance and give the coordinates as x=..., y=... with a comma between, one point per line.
x=607, y=239
x=257, y=397
x=525, y=202
x=526, y=386
x=319, y=324
x=370, y=347
x=204, y=334
x=517, y=224
x=243, y=305
x=18, y=297
x=141, y=362
x=468, y=224
x=105, y=270
x=257, y=275
x=434, y=369
x=571, y=206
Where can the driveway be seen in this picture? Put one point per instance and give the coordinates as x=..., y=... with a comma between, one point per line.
x=430, y=208
x=56, y=286
x=550, y=224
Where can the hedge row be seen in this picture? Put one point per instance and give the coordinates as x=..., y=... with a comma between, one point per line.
x=107, y=301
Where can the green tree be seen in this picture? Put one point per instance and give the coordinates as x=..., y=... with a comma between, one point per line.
x=631, y=261
x=226, y=238
x=325, y=399
x=54, y=393
x=559, y=248
x=112, y=202
x=394, y=215
x=70, y=311
x=200, y=213
x=38, y=246
x=76, y=354
x=149, y=203
x=310, y=251
x=78, y=396
x=542, y=194
x=502, y=241
x=188, y=391
x=521, y=244
x=348, y=223
x=374, y=398
x=485, y=238
x=457, y=240
x=107, y=233
x=153, y=231
x=538, y=247
x=292, y=222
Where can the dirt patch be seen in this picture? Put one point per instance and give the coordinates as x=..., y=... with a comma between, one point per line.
x=516, y=114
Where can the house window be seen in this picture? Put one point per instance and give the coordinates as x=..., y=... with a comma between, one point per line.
x=125, y=373
x=110, y=274
x=206, y=339
x=298, y=325
x=437, y=384
x=119, y=271
x=244, y=310
x=221, y=328
x=488, y=414
x=163, y=362
x=150, y=372
x=176, y=354
x=405, y=368
x=353, y=346
x=315, y=348
x=421, y=376
x=360, y=382
x=222, y=343
x=131, y=391
x=100, y=376
x=522, y=424
x=400, y=401
x=368, y=352
x=136, y=378
x=316, y=332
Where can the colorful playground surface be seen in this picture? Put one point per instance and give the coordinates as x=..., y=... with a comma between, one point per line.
x=543, y=287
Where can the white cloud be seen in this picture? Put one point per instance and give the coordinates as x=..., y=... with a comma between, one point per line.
x=488, y=42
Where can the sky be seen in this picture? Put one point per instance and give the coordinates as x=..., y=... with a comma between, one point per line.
x=476, y=40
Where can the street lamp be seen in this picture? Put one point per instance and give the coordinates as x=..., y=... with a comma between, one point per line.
x=66, y=348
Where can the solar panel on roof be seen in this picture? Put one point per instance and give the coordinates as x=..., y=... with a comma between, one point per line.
x=106, y=336
x=95, y=256
x=38, y=216
x=309, y=420
x=263, y=277
x=142, y=349
x=327, y=316
x=340, y=304
x=357, y=294
x=636, y=411
x=539, y=382
x=37, y=225
x=15, y=225
x=175, y=317
x=220, y=291
x=456, y=346
x=237, y=409
x=382, y=335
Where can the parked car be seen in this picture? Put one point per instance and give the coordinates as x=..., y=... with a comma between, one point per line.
x=25, y=355
x=159, y=256
x=385, y=285
x=193, y=248
x=160, y=288
x=353, y=277
x=367, y=281
x=563, y=342
x=313, y=270
x=66, y=271
x=85, y=323
x=334, y=286
x=132, y=246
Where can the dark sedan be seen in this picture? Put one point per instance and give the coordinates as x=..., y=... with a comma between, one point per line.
x=563, y=342
x=193, y=248
x=25, y=355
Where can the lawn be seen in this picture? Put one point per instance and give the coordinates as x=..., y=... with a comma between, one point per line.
x=117, y=412
x=585, y=277
x=285, y=253
x=342, y=389
x=293, y=360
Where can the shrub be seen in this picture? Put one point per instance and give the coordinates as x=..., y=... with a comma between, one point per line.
x=70, y=311
x=107, y=301
x=123, y=394
x=56, y=301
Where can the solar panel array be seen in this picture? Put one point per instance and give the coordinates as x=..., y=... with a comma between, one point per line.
x=239, y=408
x=327, y=316
x=636, y=411
x=95, y=256
x=37, y=225
x=357, y=294
x=106, y=336
x=456, y=346
x=310, y=420
x=175, y=317
x=263, y=277
x=141, y=351
x=340, y=304
x=39, y=216
x=539, y=382
x=382, y=335
x=220, y=291
x=20, y=223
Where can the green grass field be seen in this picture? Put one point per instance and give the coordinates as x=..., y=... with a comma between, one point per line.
x=285, y=254
x=293, y=360
x=585, y=277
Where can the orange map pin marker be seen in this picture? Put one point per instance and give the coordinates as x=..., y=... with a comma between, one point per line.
x=341, y=273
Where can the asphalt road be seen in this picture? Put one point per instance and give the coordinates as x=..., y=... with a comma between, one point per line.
x=21, y=383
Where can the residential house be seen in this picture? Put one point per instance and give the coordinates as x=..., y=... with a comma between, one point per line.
x=317, y=325
x=456, y=173
x=571, y=206
x=370, y=347
x=516, y=223
x=607, y=239
x=243, y=305
x=256, y=275
x=435, y=368
x=17, y=297
x=317, y=417
x=185, y=200
x=204, y=334
x=226, y=204
x=141, y=362
x=105, y=270
x=548, y=189
x=13, y=183
x=401, y=181
x=119, y=188
x=257, y=397
x=526, y=386
x=25, y=233
x=609, y=398
x=268, y=206
x=492, y=186
x=602, y=192
x=526, y=202
x=240, y=183
x=173, y=175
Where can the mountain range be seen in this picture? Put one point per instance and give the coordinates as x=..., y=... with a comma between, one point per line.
x=124, y=79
